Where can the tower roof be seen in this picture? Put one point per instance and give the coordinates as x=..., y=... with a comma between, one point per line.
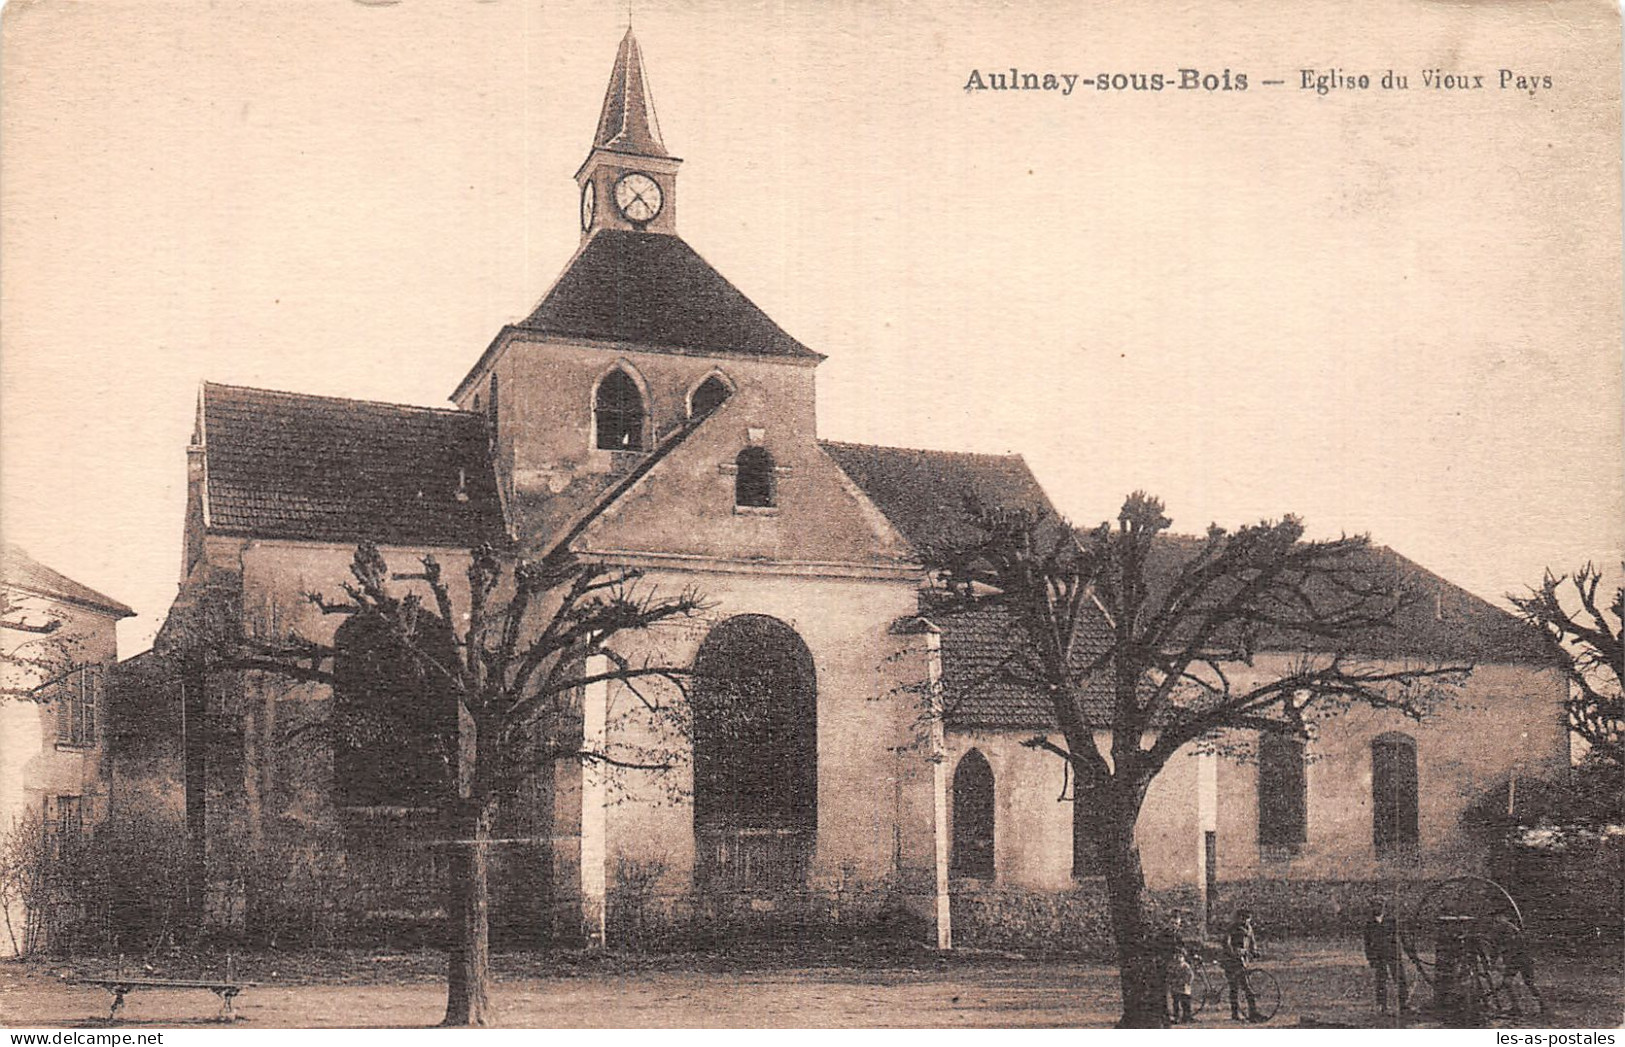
x=652, y=289
x=627, y=123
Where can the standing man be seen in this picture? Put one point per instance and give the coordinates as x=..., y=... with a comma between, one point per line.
x=1240, y=943
x=1385, y=955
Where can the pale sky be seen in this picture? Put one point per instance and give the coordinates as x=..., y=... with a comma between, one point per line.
x=1387, y=312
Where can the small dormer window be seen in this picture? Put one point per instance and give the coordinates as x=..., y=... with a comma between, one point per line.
x=618, y=413
x=753, y=479
x=708, y=397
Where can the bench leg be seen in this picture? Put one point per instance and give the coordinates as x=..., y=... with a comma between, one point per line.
x=227, y=1013
x=118, y=992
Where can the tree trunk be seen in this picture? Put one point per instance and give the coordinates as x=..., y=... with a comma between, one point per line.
x=1139, y=962
x=468, y=893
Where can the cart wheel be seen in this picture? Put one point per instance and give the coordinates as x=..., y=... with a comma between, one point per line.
x=1473, y=898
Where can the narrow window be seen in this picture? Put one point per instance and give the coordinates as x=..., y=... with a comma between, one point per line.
x=972, y=854
x=76, y=706
x=1283, y=822
x=64, y=823
x=1394, y=796
x=491, y=407
x=708, y=397
x=618, y=413
x=753, y=478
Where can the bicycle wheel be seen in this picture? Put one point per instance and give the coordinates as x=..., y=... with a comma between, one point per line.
x=1199, y=992
x=1266, y=990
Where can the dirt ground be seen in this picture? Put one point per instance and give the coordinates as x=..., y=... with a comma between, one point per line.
x=1324, y=987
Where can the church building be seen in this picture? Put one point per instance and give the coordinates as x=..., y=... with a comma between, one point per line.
x=647, y=414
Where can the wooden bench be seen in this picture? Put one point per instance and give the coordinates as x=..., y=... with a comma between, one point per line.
x=122, y=987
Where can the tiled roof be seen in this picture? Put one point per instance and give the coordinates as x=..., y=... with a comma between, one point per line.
x=627, y=122
x=923, y=493
x=287, y=465
x=1444, y=623
x=653, y=289
x=982, y=689
x=23, y=572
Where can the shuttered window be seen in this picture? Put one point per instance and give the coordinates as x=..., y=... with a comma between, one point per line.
x=1394, y=796
x=1283, y=809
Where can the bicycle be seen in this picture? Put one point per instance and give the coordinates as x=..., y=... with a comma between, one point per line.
x=1212, y=987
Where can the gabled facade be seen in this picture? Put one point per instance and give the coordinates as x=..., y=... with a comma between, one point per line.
x=646, y=413
x=53, y=744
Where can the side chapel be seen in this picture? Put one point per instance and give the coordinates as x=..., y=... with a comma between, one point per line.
x=647, y=413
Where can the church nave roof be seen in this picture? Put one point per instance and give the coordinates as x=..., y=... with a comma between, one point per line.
x=322, y=468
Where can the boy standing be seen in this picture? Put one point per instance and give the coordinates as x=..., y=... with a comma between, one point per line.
x=1181, y=982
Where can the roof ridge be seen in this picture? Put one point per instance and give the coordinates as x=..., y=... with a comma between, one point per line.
x=927, y=450
x=614, y=492
x=340, y=399
x=54, y=585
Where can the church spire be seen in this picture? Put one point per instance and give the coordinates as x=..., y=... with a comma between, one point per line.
x=628, y=181
x=627, y=123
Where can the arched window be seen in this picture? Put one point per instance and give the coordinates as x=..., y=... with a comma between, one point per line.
x=753, y=478
x=618, y=413
x=1394, y=796
x=708, y=397
x=755, y=756
x=1283, y=796
x=394, y=720
x=972, y=854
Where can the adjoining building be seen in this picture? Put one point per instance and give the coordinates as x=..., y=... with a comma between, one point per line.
x=58, y=642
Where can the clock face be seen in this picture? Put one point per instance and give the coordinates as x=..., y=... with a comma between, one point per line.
x=638, y=197
x=589, y=204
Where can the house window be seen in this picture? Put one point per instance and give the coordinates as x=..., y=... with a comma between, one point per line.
x=1283, y=816
x=64, y=822
x=1394, y=796
x=618, y=413
x=972, y=853
x=708, y=397
x=394, y=722
x=753, y=478
x=77, y=697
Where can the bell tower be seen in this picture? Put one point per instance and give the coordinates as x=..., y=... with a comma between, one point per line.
x=628, y=181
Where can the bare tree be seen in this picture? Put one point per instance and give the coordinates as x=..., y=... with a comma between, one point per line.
x=35, y=654
x=535, y=634
x=1159, y=627
x=1585, y=639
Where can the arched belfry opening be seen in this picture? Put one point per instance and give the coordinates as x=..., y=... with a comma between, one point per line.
x=618, y=413
x=708, y=397
x=971, y=856
x=755, y=757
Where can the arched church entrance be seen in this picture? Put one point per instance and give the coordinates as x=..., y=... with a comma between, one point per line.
x=755, y=758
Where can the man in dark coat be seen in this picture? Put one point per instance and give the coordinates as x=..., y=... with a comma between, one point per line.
x=1385, y=955
x=1240, y=944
